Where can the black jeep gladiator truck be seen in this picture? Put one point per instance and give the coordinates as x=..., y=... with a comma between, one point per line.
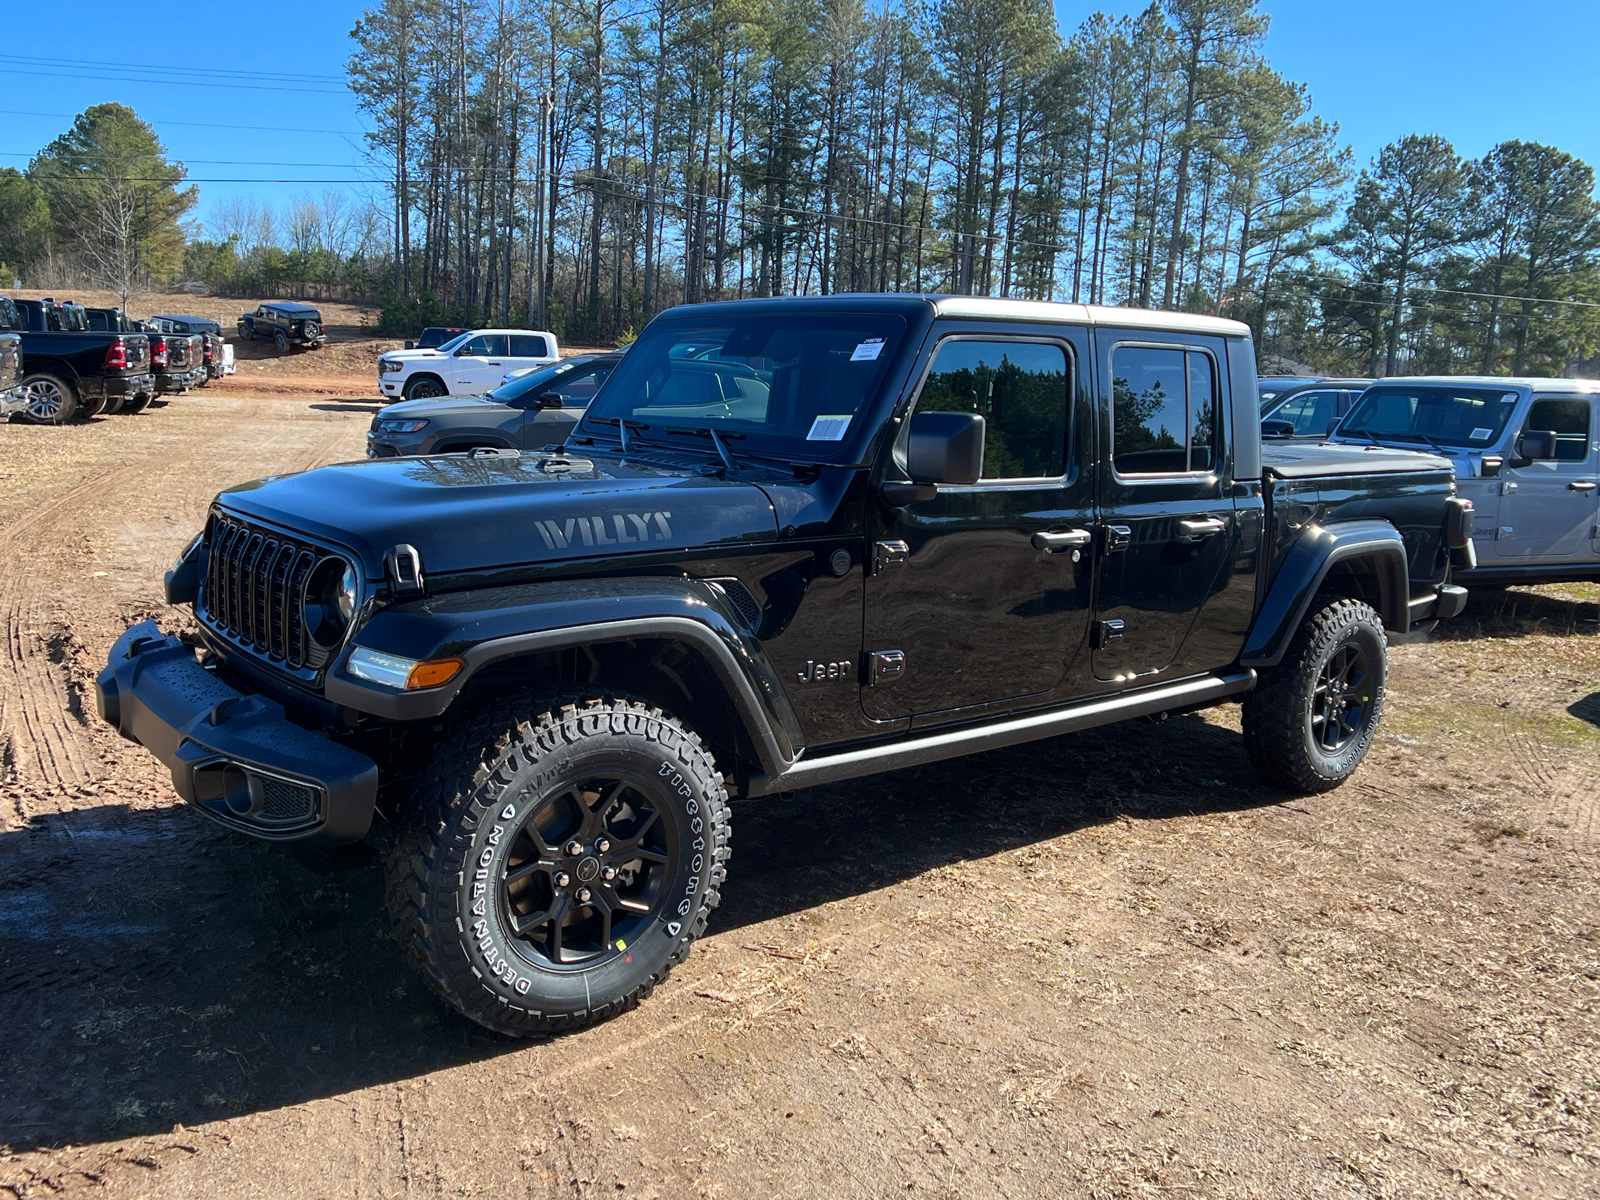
x=71, y=371
x=790, y=541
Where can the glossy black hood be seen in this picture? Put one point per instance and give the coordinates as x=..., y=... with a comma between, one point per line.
x=487, y=513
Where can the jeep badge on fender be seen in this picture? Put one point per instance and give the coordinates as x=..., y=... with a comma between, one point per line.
x=579, y=652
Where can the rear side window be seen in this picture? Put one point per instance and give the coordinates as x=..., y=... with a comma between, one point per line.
x=1310, y=412
x=527, y=345
x=1568, y=420
x=1019, y=388
x=1164, y=404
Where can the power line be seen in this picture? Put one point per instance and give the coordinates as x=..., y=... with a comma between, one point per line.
x=249, y=87
x=214, y=72
x=15, y=112
x=209, y=162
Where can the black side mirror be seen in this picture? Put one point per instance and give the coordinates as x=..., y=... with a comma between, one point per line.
x=549, y=400
x=942, y=447
x=411, y=345
x=1534, y=445
x=1277, y=429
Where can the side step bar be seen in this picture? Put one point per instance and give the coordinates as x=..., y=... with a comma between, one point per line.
x=954, y=743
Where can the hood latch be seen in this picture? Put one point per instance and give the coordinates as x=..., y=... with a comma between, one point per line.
x=403, y=566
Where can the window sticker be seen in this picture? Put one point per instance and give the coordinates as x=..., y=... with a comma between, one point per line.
x=865, y=352
x=1482, y=435
x=829, y=429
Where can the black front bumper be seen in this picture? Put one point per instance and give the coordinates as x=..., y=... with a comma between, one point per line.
x=236, y=756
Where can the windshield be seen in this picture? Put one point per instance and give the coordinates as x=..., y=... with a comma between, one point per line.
x=790, y=384
x=532, y=381
x=453, y=342
x=1471, y=418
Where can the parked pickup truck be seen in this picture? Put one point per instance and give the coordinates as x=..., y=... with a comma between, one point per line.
x=178, y=360
x=114, y=320
x=790, y=541
x=218, y=354
x=284, y=324
x=11, y=400
x=71, y=371
x=1526, y=453
x=469, y=364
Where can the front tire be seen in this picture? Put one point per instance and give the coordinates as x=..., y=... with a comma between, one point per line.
x=423, y=388
x=1311, y=719
x=556, y=868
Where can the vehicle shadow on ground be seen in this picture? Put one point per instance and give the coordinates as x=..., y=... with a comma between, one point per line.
x=158, y=970
x=1587, y=709
x=1514, y=612
x=361, y=406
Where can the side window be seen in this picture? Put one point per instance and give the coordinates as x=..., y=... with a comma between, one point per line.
x=1164, y=410
x=1569, y=420
x=527, y=345
x=477, y=347
x=1021, y=389
x=579, y=388
x=1310, y=412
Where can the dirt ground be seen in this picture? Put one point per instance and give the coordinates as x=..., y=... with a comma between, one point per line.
x=1105, y=965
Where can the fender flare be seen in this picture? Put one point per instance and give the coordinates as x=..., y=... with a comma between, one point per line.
x=1316, y=552
x=515, y=621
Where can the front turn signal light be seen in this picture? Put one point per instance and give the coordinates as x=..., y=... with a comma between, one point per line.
x=433, y=673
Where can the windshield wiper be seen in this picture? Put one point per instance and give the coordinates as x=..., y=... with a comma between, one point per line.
x=623, y=425
x=716, y=440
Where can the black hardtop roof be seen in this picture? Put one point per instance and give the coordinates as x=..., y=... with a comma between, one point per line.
x=289, y=306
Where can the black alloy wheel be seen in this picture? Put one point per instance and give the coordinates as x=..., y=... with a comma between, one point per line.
x=1311, y=719
x=586, y=870
x=560, y=857
x=280, y=343
x=423, y=389
x=1343, y=696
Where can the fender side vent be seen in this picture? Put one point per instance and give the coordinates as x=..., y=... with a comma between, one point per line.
x=741, y=601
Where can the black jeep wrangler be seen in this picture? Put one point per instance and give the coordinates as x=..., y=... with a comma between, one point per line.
x=791, y=541
x=284, y=324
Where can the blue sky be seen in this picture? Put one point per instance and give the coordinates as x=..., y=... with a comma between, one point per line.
x=1475, y=71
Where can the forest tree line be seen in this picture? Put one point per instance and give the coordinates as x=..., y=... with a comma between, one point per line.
x=583, y=164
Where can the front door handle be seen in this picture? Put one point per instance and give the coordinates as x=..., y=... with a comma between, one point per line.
x=1579, y=485
x=1199, y=527
x=1066, y=539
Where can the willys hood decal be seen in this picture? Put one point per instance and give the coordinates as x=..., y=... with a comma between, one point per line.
x=485, y=513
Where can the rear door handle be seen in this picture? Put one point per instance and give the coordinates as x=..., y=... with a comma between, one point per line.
x=1066, y=539
x=1580, y=486
x=1199, y=527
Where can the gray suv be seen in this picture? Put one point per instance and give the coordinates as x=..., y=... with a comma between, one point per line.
x=525, y=413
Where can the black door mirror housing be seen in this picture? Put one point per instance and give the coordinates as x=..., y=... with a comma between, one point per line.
x=1534, y=445
x=942, y=447
x=1277, y=429
x=549, y=400
x=411, y=345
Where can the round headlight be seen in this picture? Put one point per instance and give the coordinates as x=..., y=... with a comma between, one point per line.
x=347, y=594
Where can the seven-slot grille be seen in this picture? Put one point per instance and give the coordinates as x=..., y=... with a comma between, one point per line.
x=255, y=590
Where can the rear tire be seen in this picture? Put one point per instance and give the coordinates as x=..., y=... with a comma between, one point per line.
x=135, y=404
x=280, y=343
x=1311, y=719
x=113, y=404
x=555, y=869
x=51, y=400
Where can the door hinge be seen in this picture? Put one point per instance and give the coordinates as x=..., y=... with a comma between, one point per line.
x=1106, y=632
x=884, y=666
x=1508, y=487
x=889, y=554
x=1503, y=533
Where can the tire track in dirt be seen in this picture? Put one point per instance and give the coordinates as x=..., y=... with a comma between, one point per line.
x=42, y=725
x=1566, y=796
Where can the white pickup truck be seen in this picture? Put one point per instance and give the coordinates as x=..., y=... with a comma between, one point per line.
x=469, y=364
